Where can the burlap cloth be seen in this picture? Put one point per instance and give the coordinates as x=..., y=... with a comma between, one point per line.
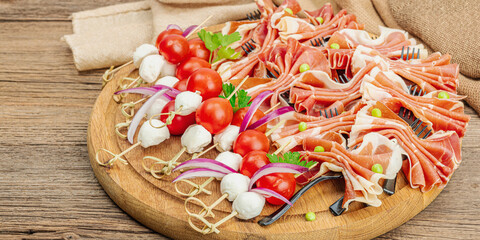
x=108, y=36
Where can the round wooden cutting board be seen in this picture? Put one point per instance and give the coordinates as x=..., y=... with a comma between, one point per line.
x=155, y=203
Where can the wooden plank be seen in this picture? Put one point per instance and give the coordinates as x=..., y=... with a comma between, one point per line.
x=45, y=10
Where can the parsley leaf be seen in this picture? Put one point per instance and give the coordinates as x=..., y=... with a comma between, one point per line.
x=228, y=88
x=227, y=53
x=229, y=39
x=210, y=40
x=292, y=158
x=243, y=99
x=214, y=41
x=240, y=95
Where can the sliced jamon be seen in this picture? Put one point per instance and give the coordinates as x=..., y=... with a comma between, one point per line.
x=361, y=183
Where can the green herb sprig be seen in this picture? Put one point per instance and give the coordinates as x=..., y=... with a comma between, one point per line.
x=239, y=100
x=292, y=158
x=214, y=41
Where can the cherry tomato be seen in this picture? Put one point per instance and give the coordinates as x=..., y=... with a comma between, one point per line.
x=174, y=48
x=282, y=183
x=165, y=33
x=240, y=115
x=214, y=114
x=197, y=49
x=250, y=140
x=190, y=65
x=181, y=85
x=253, y=161
x=207, y=81
x=179, y=123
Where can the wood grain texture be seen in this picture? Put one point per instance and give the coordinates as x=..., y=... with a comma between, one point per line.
x=47, y=187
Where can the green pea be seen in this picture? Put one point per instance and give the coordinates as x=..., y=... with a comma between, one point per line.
x=304, y=67
x=377, y=168
x=288, y=10
x=320, y=20
x=302, y=126
x=334, y=46
x=443, y=95
x=376, y=112
x=310, y=216
x=319, y=149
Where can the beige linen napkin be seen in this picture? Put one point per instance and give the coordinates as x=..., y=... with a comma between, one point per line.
x=187, y=12
x=107, y=36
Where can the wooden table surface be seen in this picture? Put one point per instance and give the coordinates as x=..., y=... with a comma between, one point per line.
x=47, y=187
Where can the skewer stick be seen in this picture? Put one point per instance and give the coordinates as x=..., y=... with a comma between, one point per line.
x=272, y=108
x=169, y=120
x=237, y=88
x=167, y=168
x=115, y=156
x=206, y=210
x=130, y=107
x=209, y=227
x=198, y=27
x=120, y=96
x=120, y=126
x=196, y=188
x=108, y=75
x=279, y=124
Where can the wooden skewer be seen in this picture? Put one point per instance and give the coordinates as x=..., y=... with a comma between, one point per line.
x=198, y=27
x=115, y=156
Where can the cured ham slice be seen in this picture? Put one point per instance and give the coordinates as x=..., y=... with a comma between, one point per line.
x=431, y=161
x=361, y=183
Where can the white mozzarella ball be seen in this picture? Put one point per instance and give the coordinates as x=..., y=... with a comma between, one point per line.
x=230, y=159
x=150, y=136
x=248, y=205
x=151, y=67
x=143, y=51
x=157, y=107
x=233, y=184
x=167, y=81
x=226, y=138
x=168, y=69
x=195, y=138
x=189, y=101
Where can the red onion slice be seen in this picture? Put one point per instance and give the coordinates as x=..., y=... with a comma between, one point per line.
x=267, y=118
x=275, y=168
x=140, y=113
x=172, y=93
x=270, y=193
x=253, y=108
x=188, y=30
x=174, y=26
x=205, y=163
x=199, y=172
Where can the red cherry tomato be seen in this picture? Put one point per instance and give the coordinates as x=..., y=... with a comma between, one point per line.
x=197, y=49
x=174, y=48
x=282, y=183
x=214, y=114
x=179, y=123
x=165, y=33
x=240, y=115
x=181, y=85
x=207, y=81
x=251, y=140
x=190, y=65
x=253, y=161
